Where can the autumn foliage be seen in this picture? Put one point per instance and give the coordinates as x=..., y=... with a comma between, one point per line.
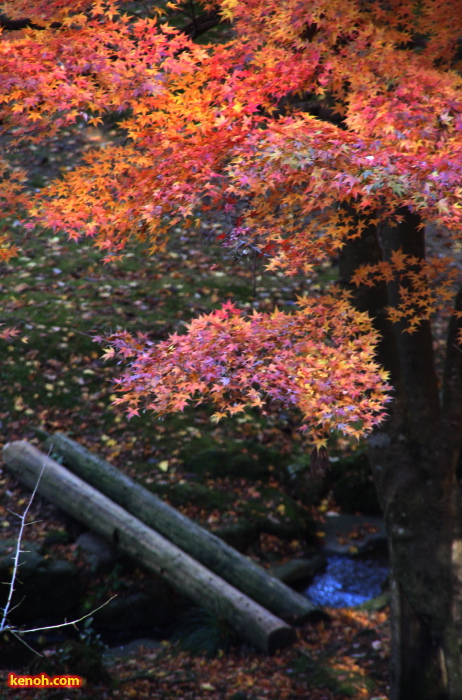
x=313, y=122
x=237, y=362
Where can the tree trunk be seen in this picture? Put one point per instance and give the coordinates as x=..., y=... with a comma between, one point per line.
x=421, y=503
x=212, y=552
x=414, y=457
x=185, y=574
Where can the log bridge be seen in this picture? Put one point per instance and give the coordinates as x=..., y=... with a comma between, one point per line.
x=192, y=560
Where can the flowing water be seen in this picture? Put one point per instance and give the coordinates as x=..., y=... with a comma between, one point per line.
x=346, y=582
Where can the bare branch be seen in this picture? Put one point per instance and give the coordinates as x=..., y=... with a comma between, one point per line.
x=18, y=551
x=4, y=626
x=63, y=624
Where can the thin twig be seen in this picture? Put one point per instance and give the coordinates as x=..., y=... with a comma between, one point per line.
x=65, y=624
x=18, y=551
x=254, y=274
x=17, y=633
x=193, y=15
x=23, y=641
x=14, y=608
x=4, y=626
x=151, y=16
x=134, y=14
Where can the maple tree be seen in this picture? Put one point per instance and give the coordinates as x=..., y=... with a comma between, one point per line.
x=320, y=129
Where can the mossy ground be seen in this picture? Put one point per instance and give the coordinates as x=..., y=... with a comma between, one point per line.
x=58, y=294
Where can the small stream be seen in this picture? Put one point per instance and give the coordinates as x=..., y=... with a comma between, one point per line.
x=347, y=581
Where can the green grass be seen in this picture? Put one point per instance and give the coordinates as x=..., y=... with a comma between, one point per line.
x=59, y=293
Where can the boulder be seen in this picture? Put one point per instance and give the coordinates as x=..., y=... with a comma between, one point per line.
x=98, y=553
x=240, y=535
x=44, y=587
x=342, y=533
x=299, y=569
x=353, y=486
x=276, y=513
x=148, y=610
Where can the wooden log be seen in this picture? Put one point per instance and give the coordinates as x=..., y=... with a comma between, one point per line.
x=185, y=574
x=210, y=550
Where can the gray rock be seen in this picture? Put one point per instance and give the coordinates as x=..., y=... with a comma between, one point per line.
x=74, y=657
x=277, y=514
x=299, y=569
x=98, y=553
x=154, y=607
x=44, y=587
x=29, y=557
x=239, y=535
x=352, y=485
x=131, y=649
x=351, y=534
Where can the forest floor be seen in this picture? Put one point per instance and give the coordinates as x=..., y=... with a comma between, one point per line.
x=59, y=294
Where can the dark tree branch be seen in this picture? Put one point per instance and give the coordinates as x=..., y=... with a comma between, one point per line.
x=14, y=25
x=452, y=377
x=200, y=25
x=417, y=368
x=373, y=300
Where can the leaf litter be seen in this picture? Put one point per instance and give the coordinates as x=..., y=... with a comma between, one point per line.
x=58, y=294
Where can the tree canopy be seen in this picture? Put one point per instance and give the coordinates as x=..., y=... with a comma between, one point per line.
x=313, y=122
x=315, y=130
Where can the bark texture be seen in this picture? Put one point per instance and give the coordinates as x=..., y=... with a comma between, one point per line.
x=414, y=457
x=215, y=554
